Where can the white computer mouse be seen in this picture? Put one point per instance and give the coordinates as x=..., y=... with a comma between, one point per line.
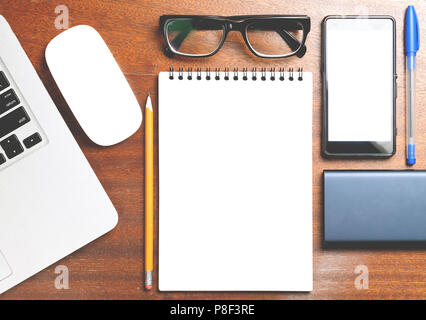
x=93, y=85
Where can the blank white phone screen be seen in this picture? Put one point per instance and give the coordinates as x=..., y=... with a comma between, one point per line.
x=359, y=69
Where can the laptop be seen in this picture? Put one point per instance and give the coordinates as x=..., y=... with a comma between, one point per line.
x=51, y=202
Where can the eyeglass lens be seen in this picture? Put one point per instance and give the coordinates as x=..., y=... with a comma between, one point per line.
x=194, y=36
x=275, y=39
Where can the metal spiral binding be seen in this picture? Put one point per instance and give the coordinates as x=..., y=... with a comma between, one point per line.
x=300, y=77
x=226, y=74
x=236, y=74
x=245, y=74
x=290, y=71
x=217, y=71
x=263, y=72
x=282, y=70
x=272, y=74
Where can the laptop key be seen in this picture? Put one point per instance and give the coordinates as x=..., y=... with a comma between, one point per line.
x=11, y=146
x=2, y=159
x=32, y=140
x=13, y=120
x=4, y=83
x=8, y=100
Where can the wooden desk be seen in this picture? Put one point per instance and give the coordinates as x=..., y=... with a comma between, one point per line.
x=112, y=267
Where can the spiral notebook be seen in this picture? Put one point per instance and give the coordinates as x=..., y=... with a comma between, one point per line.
x=235, y=180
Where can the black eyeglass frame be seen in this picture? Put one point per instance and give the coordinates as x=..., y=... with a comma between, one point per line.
x=240, y=23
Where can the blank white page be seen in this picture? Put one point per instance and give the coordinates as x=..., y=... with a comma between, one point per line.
x=235, y=184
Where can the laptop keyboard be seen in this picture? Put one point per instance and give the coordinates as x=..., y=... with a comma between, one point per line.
x=12, y=121
x=20, y=134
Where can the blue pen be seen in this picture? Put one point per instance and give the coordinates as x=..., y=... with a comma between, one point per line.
x=412, y=43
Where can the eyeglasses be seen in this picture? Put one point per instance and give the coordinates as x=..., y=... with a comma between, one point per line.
x=267, y=36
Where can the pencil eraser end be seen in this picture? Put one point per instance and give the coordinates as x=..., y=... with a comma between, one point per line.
x=148, y=287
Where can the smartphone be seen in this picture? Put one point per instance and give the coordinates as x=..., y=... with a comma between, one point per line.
x=359, y=86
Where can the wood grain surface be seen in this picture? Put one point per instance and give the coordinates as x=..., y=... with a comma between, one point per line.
x=112, y=266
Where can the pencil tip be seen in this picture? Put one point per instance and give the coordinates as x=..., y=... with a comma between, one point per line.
x=148, y=102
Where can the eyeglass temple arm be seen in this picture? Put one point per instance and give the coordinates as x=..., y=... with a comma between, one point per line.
x=292, y=42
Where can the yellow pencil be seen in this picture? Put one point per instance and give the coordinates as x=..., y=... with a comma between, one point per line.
x=149, y=193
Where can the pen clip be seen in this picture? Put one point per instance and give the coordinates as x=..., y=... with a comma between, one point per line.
x=417, y=34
